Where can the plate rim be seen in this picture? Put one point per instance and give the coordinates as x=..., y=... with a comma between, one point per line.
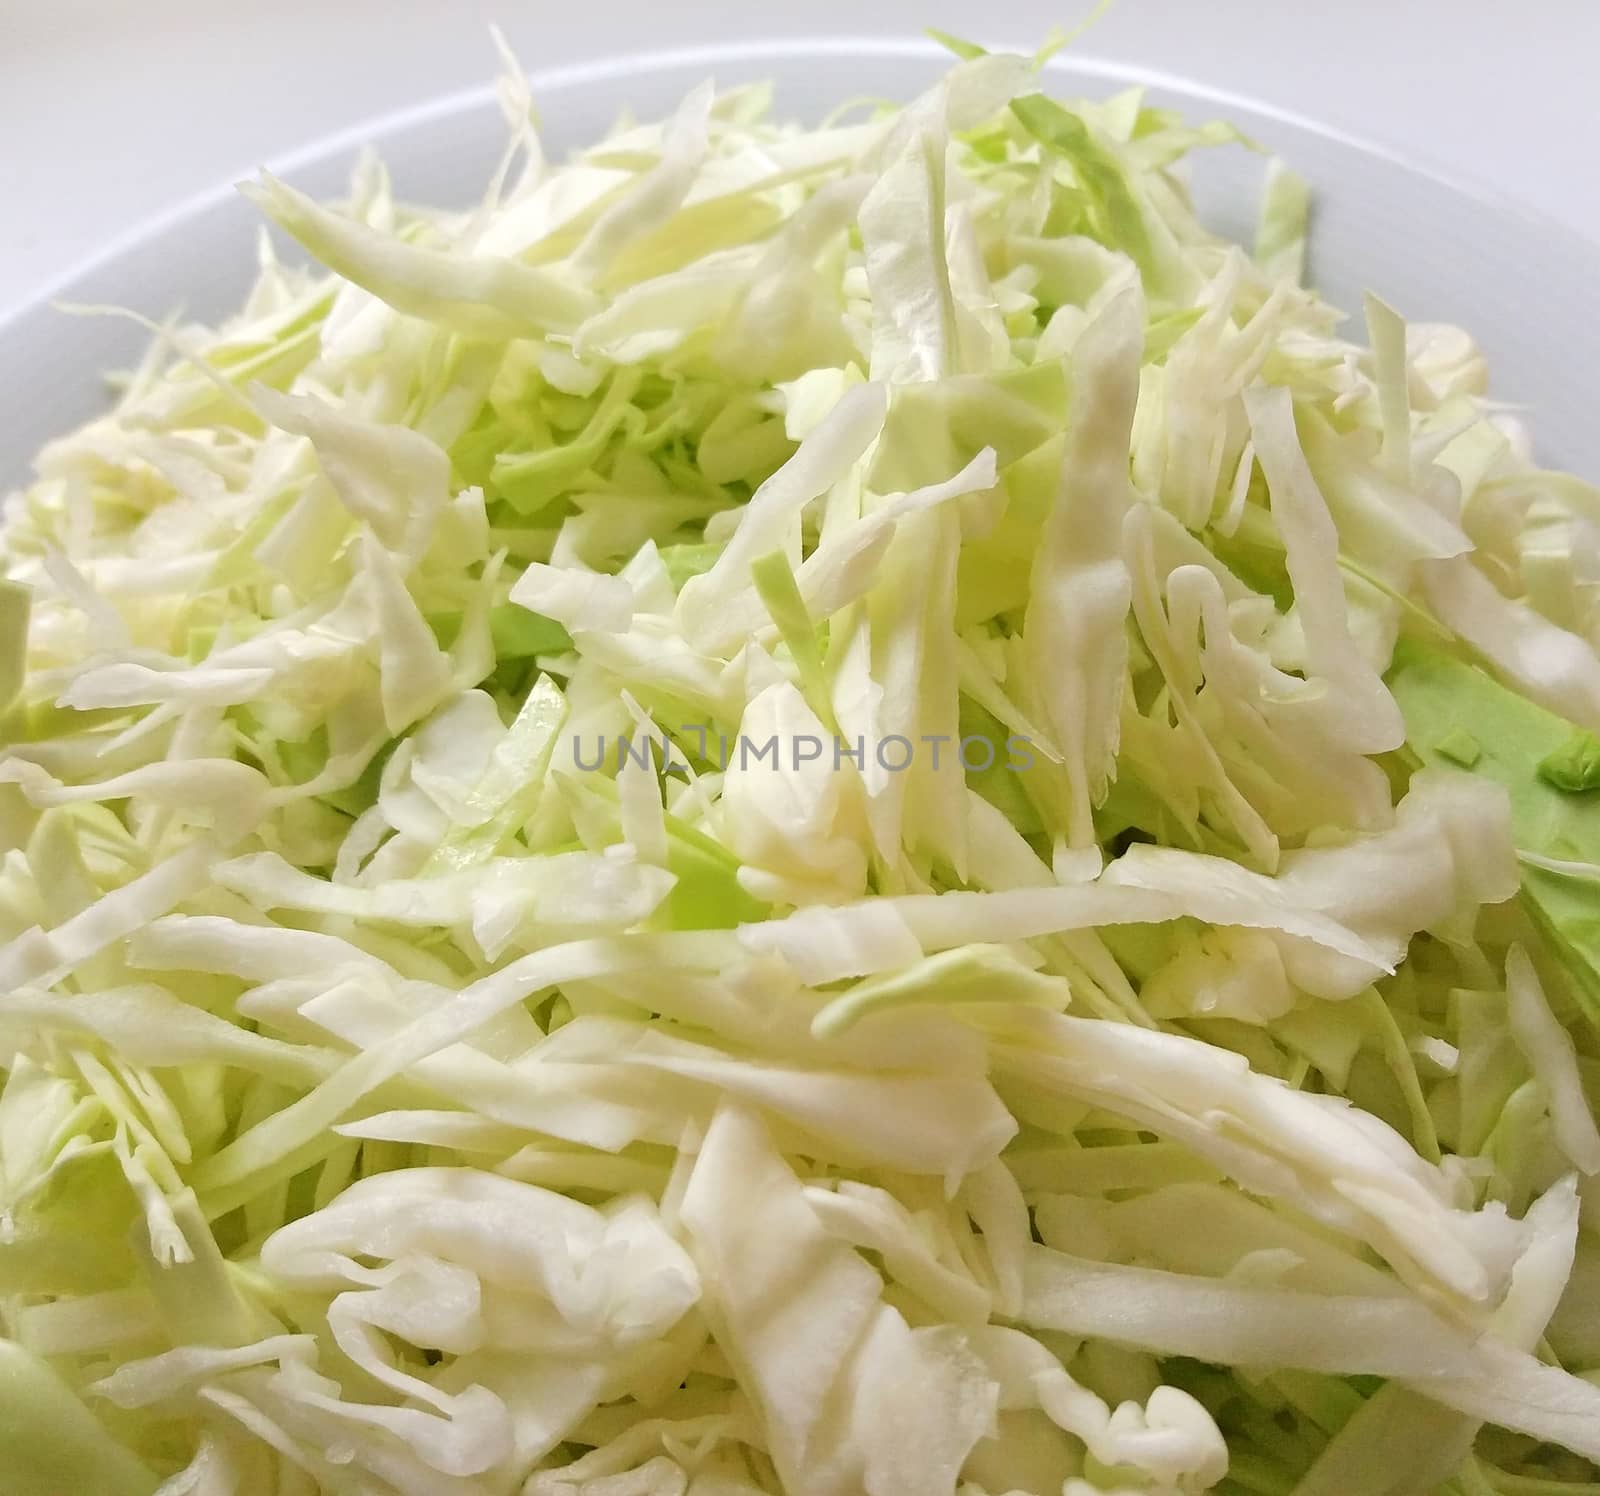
x=621, y=65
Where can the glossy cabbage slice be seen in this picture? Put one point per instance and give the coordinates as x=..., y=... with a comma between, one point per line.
x=831, y=810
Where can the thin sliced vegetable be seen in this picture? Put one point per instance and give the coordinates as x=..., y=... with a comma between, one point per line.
x=801, y=812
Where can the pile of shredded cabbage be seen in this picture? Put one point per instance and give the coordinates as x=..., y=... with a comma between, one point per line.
x=1196, y=1092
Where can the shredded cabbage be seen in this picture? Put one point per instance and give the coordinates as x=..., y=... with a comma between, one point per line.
x=827, y=811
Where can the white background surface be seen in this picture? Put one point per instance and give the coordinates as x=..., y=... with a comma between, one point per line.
x=113, y=110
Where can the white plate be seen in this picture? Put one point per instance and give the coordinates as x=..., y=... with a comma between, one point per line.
x=1437, y=250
